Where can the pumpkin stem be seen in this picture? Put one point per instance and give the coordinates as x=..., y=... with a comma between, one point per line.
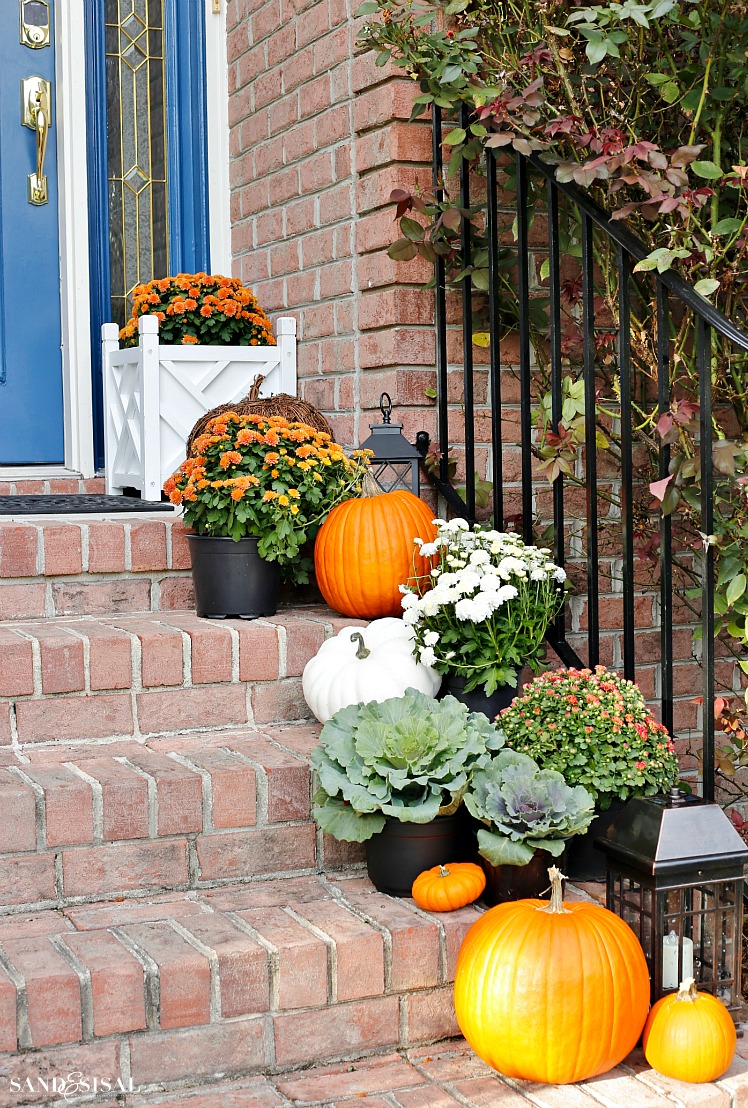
x=687, y=990
x=369, y=486
x=556, y=906
x=443, y=871
x=362, y=652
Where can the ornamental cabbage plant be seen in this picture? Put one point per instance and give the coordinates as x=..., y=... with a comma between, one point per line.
x=526, y=809
x=483, y=611
x=410, y=757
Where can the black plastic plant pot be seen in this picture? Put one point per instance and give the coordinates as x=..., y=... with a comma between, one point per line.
x=231, y=579
x=477, y=701
x=584, y=862
x=528, y=882
x=397, y=854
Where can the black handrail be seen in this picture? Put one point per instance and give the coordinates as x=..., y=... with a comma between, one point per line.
x=670, y=287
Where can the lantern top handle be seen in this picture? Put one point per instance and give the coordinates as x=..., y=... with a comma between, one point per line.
x=385, y=407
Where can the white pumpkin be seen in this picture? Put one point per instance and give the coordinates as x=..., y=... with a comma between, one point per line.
x=365, y=663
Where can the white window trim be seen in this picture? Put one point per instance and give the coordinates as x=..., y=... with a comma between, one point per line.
x=75, y=296
x=217, y=84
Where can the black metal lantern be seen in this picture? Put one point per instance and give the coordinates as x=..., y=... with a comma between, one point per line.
x=674, y=868
x=395, y=462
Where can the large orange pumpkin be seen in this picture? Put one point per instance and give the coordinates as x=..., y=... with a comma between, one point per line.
x=689, y=1035
x=551, y=992
x=364, y=551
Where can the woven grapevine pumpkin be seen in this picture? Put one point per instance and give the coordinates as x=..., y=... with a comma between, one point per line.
x=551, y=992
x=689, y=1035
x=364, y=551
x=444, y=888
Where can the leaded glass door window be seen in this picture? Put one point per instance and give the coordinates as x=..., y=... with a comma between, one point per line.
x=136, y=148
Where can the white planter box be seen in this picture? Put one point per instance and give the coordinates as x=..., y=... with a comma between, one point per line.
x=154, y=394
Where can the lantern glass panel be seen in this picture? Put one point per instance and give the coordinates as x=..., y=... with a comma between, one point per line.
x=392, y=476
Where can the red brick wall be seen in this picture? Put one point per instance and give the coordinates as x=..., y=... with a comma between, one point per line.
x=319, y=137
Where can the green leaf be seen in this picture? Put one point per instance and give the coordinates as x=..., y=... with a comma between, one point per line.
x=706, y=286
x=709, y=170
x=456, y=6
x=501, y=851
x=670, y=92
x=727, y=226
x=455, y=137
x=545, y=269
x=596, y=51
x=411, y=229
x=736, y=588
x=367, y=8
x=402, y=250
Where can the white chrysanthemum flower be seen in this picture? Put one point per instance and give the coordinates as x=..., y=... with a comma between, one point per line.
x=411, y=616
x=506, y=592
x=427, y=656
x=431, y=638
x=428, y=549
x=559, y=574
x=409, y=600
x=480, y=558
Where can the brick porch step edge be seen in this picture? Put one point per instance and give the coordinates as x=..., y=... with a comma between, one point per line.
x=274, y=974
x=153, y=673
x=184, y=812
x=87, y=566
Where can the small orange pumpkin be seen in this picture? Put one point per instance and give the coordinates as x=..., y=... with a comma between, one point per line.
x=689, y=1035
x=444, y=888
x=552, y=992
x=364, y=551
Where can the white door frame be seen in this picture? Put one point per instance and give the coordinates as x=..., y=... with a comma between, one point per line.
x=75, y=289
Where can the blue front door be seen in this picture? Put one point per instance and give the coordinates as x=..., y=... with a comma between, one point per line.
x=31, y=406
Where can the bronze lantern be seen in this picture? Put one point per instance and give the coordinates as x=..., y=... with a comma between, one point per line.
x=674, y=873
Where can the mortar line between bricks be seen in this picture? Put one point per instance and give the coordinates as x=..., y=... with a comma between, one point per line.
x=186, y=658
x=15, y=742
x=86, y=657
x=235, y=650
x=429, y=917
x=125, y=1062
x=85, y=547
x=36, y=661
x=169, y=523
x=207, y=789
x=212, y=957
x=272, y=952
x=262, y=787
x=151, y=980
x=83, y=974
x=128, y=546
x=332, y=951
x=152, y=792
x=59, y=878
x=339, y=896
x=40, y=811
x=41, y=553
x=97, y=800
x=23, y=1031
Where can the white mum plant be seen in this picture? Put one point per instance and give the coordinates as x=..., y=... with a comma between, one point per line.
x=483, y=611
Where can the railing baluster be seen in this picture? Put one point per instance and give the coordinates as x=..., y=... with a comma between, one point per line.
x=557, y=398
x=494, y=305
x=627, y=466
x=440, y=306
x=523, y=297
x=467, y=328
x=590, y=440
x=666, y=529
x=704, y=366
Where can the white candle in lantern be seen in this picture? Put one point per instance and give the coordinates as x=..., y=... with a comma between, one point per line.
x=673, y=972
x=670, y=950
x=687, y=956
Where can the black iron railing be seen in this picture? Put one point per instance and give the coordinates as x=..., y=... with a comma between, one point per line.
x=672, y=293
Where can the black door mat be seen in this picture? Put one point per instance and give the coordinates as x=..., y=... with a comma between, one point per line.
x=77, y=504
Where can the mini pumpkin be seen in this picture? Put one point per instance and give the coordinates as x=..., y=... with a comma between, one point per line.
x=445, y=888
x=364, y=551
x=551, y=992
x=362, y=664
x=689, y=1035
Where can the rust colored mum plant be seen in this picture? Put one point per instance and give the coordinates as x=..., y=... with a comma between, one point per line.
x=268, y=478
x=596, y=730
x=196, y=308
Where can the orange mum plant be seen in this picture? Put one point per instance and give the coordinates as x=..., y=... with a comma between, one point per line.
x=195, y=308
x=268, y=478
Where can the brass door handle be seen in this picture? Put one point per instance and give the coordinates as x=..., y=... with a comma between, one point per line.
x=36, y=113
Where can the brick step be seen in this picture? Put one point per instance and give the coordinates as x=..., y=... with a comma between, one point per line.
x=89, y=565
x=187, y=811
x=245, y=979
x=69, y=483
x=142, y=674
